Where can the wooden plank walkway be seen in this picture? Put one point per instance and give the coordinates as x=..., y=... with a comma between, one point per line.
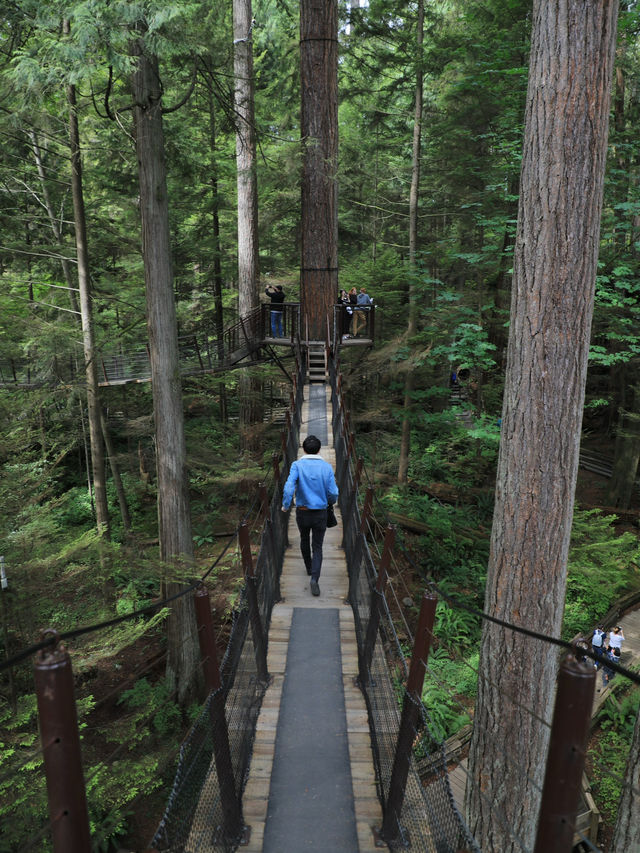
x=294, y=586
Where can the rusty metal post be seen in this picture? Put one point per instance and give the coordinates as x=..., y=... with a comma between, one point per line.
x=206, y=639
x=276, y=468
x=61, y=750
x=259, y=642
x=268, y=525
x=360, y=539
x=264, y=501
x=233, y=827
x=565, y=761
x=391, y=830
x=366, y=509
x=376, y=602
x=353, y=497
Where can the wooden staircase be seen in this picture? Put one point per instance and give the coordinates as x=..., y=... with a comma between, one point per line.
x=316, y=361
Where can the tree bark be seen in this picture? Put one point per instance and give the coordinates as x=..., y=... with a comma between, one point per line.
x=217, y=250
x=115, y=473
x=626, y=836
x=319, y=133
x=405, y=436
x=53, y=222
x=566, y=126
x=174, y=517
x=82, y=253
x=247, y=180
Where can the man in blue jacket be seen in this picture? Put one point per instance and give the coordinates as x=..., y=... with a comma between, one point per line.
x=314, y=483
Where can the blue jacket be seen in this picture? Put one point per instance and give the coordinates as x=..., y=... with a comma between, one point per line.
x=313, y=481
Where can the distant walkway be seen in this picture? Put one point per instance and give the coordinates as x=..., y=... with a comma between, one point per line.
x=630, y=656
x=311, y=785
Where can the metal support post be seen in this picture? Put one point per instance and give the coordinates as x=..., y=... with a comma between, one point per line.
x=391, y=830
x=58, y=719
x=259, y=642
x=264, y=501
x=565, y=761
x=276, y=468
x=366, y=509
x=233, y=826
x=356, y=482
x=377, y=595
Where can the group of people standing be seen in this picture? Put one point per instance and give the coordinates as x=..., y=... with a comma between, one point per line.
x=607, y=648
x=354, y=308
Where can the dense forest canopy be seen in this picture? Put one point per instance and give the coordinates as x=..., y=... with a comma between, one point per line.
x=73, y=261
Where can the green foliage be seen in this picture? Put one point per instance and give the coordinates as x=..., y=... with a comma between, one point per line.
x=602, y=566
x=620, y=714
x=151, y=710
x=454, y=627
x=609, y=760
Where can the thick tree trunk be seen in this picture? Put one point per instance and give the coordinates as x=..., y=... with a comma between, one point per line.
x=248, y=269
x=174, y=518
x=626, y=836
x=556, y=250
x=93, y=399
x=405, y=437
x=319, y=132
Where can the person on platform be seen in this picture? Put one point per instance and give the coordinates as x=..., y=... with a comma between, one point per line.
x=360, y=317
x=313, y=482
x=346, y=314
x=597, y=641
x=616, y=638
x=276, y=295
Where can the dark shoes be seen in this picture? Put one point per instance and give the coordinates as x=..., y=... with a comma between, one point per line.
x=315, y=589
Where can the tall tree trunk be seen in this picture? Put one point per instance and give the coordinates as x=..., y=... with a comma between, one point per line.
x=93, y=398
x=566, y=125
x=53, y=221
x=248, y=269
x=626, y=837
x=405, y=438
x=217, y=250
x=250, y=385
x=174, y=517
x=626, y=456
x=319, y=132
x=115, y=473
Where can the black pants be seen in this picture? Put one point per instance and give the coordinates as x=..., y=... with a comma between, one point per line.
x=312, y=524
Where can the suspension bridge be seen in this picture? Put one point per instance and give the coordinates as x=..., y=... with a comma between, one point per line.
x=199, y=351
x=302, y=743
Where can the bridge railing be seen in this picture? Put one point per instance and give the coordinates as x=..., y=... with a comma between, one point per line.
x=205, y=803
x=426, y=816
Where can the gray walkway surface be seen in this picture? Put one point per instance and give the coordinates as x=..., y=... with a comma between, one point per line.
x=311, y=797
x=317, y=422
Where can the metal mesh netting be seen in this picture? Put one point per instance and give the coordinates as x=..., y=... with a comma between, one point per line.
x=204, y=812
x=428, y=819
